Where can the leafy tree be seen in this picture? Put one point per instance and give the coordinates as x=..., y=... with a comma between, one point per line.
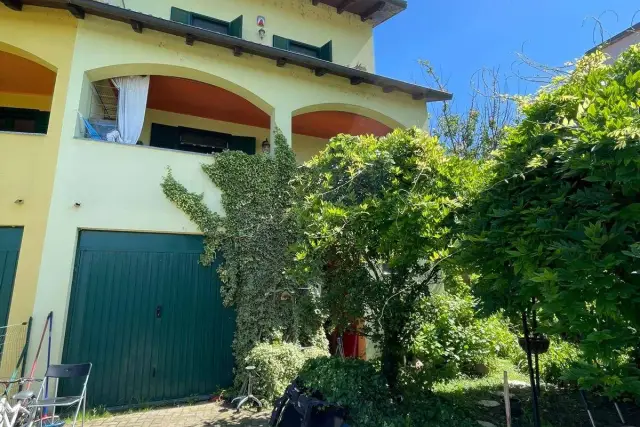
x=560, y=221
x=377, y=215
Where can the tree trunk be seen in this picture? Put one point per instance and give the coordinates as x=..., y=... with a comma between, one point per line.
x=392, y=354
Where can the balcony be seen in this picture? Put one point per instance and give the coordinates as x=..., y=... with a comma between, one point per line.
x=186, y=115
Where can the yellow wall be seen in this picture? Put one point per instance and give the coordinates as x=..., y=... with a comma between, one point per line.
x=28, y=162
x=294, y=19
x=118, y=186
x=25, y=100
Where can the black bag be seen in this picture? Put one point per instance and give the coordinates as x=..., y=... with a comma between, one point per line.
x=296, y=409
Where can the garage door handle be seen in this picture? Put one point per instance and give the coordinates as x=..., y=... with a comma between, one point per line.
x=158, y=311
x=153, y=372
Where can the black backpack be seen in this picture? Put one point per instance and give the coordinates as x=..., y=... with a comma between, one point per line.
x=302, y=408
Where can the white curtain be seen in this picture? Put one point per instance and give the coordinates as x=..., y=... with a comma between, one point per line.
x=132, y=103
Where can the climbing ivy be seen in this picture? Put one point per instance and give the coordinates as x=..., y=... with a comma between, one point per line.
x=252, y=239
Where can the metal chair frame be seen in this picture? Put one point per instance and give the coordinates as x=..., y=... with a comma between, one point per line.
x=58, y=372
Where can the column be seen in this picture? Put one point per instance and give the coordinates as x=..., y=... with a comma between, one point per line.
x=281, y=118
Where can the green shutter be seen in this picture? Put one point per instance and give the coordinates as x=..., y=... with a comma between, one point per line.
x=243, y=143
x=280, y=42
x=42, y=121
x=235, y=27
x=164, y=136
x=326, y=52
x=181, y=16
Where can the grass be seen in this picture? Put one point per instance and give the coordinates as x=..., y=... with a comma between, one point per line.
x=559, y=407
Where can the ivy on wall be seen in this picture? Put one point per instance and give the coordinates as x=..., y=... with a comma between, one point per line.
x=253, y=240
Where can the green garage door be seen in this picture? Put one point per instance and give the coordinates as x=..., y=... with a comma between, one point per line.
x=10, y=239
x=148, y=317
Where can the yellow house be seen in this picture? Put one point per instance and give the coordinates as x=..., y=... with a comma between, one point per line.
x=97, y=99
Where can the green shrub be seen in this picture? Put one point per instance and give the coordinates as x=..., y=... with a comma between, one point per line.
x=554, y=364
x=359, y=387
x=502, y=338
x=453, y=341
x=351, y=383
x=277, y=365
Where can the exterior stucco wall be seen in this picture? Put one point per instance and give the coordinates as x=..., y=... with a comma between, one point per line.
x=118, y=187
x=293, y=19
x=28, y=162
x=615, y=49
x=25, y=100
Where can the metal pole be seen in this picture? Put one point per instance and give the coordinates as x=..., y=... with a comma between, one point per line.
x=534, y=390
x=586, y=405
x=619, y=412
x=535, y=330
x=26, y=347
x=507, y=399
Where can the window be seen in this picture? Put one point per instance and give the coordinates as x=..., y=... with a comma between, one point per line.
x=210, y=24
x=233, y=28
x=325, y=52
x=198, y=141
x=23, y=120
x=303, y=49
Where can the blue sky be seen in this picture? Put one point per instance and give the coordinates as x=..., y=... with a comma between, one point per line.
x=460, y=37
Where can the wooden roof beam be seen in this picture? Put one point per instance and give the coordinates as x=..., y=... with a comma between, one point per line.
x=137, y=26
x=368, y=14
x=76, y=10
x=13, y=4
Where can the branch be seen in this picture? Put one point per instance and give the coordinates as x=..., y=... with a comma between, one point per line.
x=431, y=273
x=372, y=267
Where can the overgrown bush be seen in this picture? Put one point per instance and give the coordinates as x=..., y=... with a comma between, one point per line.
x=252, y=239
x=276, y=366
x=555, y=365
x=360, y=387
x=501, y=336
x=453, y=341
x=351, y=383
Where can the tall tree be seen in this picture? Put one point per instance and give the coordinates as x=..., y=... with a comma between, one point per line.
x=560, y=223
x=377, y=216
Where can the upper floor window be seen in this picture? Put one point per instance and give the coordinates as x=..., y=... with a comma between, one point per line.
x=325, y=52
x=23, y=120
x=233, y=28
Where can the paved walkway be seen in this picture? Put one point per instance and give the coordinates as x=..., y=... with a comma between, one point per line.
x=200, y=415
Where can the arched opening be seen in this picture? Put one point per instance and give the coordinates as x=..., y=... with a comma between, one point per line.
x=26, y=92
x=172, y=112
x=314, y=126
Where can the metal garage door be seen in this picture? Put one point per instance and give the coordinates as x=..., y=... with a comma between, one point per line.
x=10, y=239
x=148, y=317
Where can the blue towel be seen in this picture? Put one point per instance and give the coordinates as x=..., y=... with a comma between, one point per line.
x=93, y=133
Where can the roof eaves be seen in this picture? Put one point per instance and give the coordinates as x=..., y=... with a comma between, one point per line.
x=140, y=21
x=621, y=35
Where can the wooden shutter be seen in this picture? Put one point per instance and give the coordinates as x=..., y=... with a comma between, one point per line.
x=243, y=143
x=326, y=52
x=235, y=27
x=280, y=42
x=181, y=16
x=42, y=121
